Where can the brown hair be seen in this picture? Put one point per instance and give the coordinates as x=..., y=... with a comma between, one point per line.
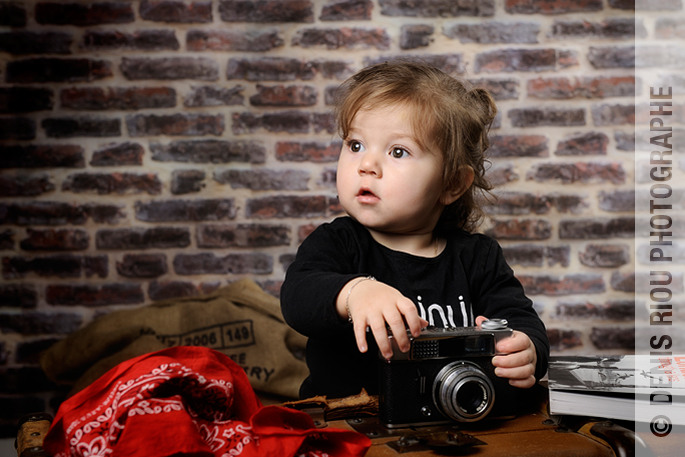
x=448, y=114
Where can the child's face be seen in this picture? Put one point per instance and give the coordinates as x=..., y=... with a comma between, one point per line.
x=385, y=180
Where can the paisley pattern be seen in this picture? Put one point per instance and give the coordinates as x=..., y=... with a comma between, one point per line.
x=186, y=400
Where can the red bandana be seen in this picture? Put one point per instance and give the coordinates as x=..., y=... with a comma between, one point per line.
x=187, y=401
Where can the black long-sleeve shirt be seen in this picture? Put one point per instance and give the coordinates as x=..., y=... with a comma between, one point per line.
x=468, y=279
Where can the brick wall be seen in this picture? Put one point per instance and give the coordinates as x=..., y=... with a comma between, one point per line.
x=155, y=149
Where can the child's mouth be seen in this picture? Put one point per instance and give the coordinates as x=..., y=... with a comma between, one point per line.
x=365, y=195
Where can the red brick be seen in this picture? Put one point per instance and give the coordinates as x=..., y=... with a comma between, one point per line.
x=209, y=151
x=55, y=240
x=605, y=256
x=494, y=32
x=500, y=89
x=613, y=114
x=585, y=87
x=518, y=203
x=617, y=200
x=347, y=10
x=214, y=96
x=449, y=63
x=141, y=40
x=30, y=352
x=611, y=28
x=618, y=310
x=537, y=117
x=42, y=156
x=108, y=183
x=62, y=266
x=552, y=7
x=264, y=179
x=414, y=36
x=118, y=154
x=39, y=322
x=142, y=265
x=186, y=210
x=515, y=60
x=231, y=40
x=612, y=56
x=24, y=99
x=139, y=238
x=187, y=181
x=597, y=228
x=87, y=14
x=84, y=126
x=12, y=14
x=198, y=68
x=524, y=229
x=584, y=172
x=437, y=8
x=183, y=124
x=18, y=295
x=613, y=338
x=345, y=37
x=24, y=43
x=17, y=128
x=57, y=213
x=171, y=289
x=284, y=121
x=287, y=96
x=266, y=11
x=202, y=264
x=518, y=146
x=117, y=98
x=564, y=285
x=270, y=69
x=7, y=240
x=560, y=339
x=176, y=11
x=308, y=152
x=623, y=282
x=94, y=295
x=591, y=143
x=528, y=255
x=284, y=206
x=501, y=174
x=242, y=235
x=667, y=28
x=23, y=185
x=41, y=70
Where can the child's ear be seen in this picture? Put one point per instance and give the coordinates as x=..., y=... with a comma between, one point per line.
x=465, y=180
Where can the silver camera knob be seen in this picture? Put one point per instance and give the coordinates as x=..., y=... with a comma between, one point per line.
x=494, y=324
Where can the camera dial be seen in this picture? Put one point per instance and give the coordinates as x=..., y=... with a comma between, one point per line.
x=463, y=392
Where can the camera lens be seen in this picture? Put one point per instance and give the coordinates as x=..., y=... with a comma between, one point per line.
x=463, y=392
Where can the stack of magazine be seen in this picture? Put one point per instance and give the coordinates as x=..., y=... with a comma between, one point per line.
x=615, y=387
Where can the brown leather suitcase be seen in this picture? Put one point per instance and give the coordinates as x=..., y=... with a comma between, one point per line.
x=534, y=433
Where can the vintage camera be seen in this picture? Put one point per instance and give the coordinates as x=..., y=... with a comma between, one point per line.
x=446, y=376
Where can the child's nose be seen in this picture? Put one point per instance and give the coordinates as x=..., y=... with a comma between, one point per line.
x=369, y=164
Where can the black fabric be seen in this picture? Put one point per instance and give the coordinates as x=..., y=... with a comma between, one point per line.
x=469, y=278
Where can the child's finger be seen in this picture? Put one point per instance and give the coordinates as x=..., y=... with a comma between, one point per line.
x=411, y=316
x=480, y=320
x=516, y=342
x=360, y=336
x=381, y=336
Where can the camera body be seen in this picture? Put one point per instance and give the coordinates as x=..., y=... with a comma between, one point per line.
x=446, y=376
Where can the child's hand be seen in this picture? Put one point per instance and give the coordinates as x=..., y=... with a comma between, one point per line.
x=519, y=362
x=374, y=304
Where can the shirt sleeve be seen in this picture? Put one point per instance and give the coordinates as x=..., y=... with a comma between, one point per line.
x=323, y=265
x=499, y=294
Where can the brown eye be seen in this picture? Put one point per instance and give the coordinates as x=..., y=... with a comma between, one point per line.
x=398, y=153
x=356, y=146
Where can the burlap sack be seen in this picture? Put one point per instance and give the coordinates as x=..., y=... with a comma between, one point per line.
x=239, y=320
